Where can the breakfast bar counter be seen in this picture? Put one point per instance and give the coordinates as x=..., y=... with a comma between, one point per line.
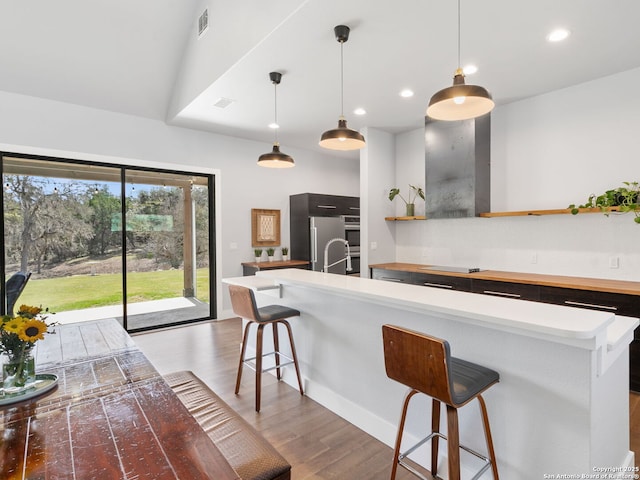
x=561, y=406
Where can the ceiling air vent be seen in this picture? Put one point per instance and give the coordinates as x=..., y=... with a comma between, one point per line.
x=223, y=102
x=203, y=22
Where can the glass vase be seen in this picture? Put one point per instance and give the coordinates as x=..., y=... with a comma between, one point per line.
x=18, y=375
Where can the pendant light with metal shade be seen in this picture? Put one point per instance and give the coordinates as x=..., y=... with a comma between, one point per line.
x=342, y=138
x=460, y=101
x=275, y=158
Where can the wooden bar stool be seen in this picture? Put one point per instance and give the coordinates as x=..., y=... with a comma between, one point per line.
x=425, y=365
x=244, y=305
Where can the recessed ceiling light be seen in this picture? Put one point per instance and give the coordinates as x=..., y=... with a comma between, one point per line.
x=274, y=125
x=470, y=69
x=360, y=111
x=406, y=93
x=558, y=35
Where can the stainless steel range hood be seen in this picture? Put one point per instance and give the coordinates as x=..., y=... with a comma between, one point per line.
x=457, y=167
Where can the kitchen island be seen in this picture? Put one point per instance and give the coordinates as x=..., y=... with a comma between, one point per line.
x=561, y=406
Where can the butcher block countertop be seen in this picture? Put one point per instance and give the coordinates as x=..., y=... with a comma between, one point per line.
x=579, y=283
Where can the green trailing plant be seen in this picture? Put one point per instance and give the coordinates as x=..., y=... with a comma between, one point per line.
x=413, y=191
x=625, y=198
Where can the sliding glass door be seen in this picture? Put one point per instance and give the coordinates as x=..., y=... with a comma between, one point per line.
x=167, y=248
x=63, y=229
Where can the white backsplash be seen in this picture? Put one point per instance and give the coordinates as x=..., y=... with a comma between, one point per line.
x=585, y=245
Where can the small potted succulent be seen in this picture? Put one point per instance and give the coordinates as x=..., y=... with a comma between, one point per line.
x=285, y=253
x=270, y=252
x=258, y=254
x=414, y=193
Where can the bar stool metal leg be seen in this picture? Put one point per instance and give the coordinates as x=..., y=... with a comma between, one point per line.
x=276, y=348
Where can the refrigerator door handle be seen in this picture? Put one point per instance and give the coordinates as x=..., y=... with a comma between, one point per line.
x=314, y=244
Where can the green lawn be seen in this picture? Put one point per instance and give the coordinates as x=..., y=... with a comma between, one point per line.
x=86, y=291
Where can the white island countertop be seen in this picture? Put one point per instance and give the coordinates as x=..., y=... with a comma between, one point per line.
x=568, y=325
x=564, y=371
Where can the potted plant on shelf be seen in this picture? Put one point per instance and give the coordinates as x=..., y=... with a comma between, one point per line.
x=625, y=198
x=414, y=192
x=258, y=254
x=285, y=253
x=270, y=253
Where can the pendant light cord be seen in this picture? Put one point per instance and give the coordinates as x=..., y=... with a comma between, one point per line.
x=342, y=79
x=458, y=33
x=275, y=110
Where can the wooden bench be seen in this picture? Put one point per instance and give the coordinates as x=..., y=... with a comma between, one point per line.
x=251, y=456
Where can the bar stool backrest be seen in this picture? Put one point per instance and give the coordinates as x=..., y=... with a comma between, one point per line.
x=13, y=288
x=418, y=361
x=243, y=302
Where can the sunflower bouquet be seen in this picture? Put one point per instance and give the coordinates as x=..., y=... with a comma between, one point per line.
x=19, y=334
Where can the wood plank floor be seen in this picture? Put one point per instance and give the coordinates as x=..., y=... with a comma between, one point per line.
x=316, y=442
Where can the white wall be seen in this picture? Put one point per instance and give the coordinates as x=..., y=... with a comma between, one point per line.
x=198, y=71
x=36, y=126
x=377, y=175
x=547, y=152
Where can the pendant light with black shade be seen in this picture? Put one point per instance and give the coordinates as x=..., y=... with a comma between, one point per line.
x=342, y=137
x=275, y=158
x=460, y=101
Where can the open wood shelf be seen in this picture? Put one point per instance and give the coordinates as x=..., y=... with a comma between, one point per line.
x=561, y=211
x=522, y=213
x=402, y=219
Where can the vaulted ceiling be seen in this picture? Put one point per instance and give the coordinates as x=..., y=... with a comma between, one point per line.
x=144, y=57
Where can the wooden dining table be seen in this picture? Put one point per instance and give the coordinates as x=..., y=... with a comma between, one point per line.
x=111, y=416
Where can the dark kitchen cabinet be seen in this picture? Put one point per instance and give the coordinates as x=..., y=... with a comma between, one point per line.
x=305, y=205
x=521, y=291
x=319, y=205
x=617, y=303
x=448, y=282
x=397, y=276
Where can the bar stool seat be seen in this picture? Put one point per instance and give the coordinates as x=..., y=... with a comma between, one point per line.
x=424, y=364
x=244, y=305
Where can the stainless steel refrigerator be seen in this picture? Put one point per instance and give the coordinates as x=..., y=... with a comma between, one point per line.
x=322, y=230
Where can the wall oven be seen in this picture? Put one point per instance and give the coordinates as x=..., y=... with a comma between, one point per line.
x=352, y=235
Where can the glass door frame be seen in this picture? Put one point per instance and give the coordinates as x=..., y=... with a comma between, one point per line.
x=123, y=171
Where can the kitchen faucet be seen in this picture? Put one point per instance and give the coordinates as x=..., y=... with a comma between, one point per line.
x=326, y=255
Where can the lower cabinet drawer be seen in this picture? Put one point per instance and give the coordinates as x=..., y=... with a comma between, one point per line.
x=391, y=275
x=617, y=303
x=520, y=291
x=448, y=282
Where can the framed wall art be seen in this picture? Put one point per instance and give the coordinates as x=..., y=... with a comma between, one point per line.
x=265, y=228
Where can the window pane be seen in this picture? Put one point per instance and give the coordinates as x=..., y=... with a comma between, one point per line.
x=57, y=220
